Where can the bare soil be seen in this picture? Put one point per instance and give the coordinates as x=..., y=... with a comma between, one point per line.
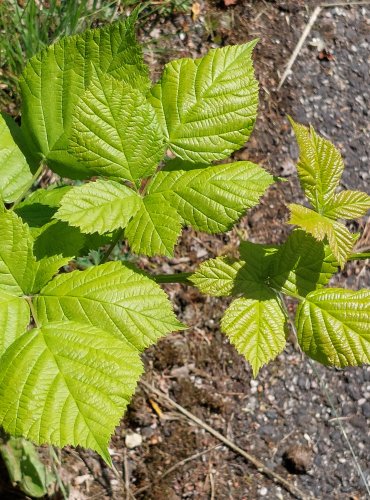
x=289, y=417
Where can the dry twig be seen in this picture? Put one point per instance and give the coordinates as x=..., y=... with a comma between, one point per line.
x=260, y=466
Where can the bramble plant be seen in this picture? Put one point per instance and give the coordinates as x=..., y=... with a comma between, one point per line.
x=71, y=342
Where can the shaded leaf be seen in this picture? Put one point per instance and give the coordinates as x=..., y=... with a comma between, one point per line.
x=340, y=239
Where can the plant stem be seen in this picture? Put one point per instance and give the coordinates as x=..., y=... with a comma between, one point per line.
x=35, y=176
x=173, y=278
x=33, y=311
x=111, y=247
x=359, y=256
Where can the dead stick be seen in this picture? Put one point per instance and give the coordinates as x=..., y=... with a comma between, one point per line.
x=298, y=47
x=253, y=460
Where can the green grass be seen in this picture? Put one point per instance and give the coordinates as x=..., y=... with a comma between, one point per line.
x=26, y=26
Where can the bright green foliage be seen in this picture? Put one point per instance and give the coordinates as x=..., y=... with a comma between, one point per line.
x=155, y=228
x=100, y=206
x=255, y=322
x=14, y=318
x=348, y=205
x=25, y=467
x=320, y=166
x=113, y=297
x=212, y=199
x=207, y=107
x=301, y=265
x=53, y=81
x=333, y=326
x=17, y=262
x=15, y=173
x=217, y=277
x=115, y=131
x=340, y=239
x=67, y=382
x=256, y=328
x=70, y=344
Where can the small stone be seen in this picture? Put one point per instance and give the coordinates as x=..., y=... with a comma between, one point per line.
x=366, y=410
x=133, y=440
x=263, y=492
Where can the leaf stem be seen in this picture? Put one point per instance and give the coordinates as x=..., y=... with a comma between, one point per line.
x=112, y=246
x=33, y=310
x=35, y=176
x=359, y=256
x=173, y=278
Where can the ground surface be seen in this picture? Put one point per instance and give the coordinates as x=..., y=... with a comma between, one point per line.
x=294, y=407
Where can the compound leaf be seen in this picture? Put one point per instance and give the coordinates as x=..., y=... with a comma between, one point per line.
x=333, y=326
x=15, y=174
x=113, y=297
x=115, y=131
x=99, y=206
x=207, y=107
x=340, y=239
x=67, y=383
x=17, y=263
x=320, y=166
x=14, y=318
x=212, y=199
x=302, y=264
x=54, y=79
x=256, y=328
x=155, y=228
x=348, y=205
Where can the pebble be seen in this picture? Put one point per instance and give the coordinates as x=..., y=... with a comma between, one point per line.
x=133, y=440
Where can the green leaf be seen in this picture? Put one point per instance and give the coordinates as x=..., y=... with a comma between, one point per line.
x=54, y=79
x=340, y=239
x=320, y=166
x=58, y=238
x=348, y=205
x=333, y=326
x=207, y=107
x=212, y=199
x=217, y=277
x=256, y=328
x=155, y=228
x=17, y=263
x=46, y=269
x=67, y=383
x=53, y=237
x=14, y=318
x=302, y=264
x=113, y=297
x=115, y=131
x=15, y=174
x=25, y=467
x=99, y=206
x=39, y=208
